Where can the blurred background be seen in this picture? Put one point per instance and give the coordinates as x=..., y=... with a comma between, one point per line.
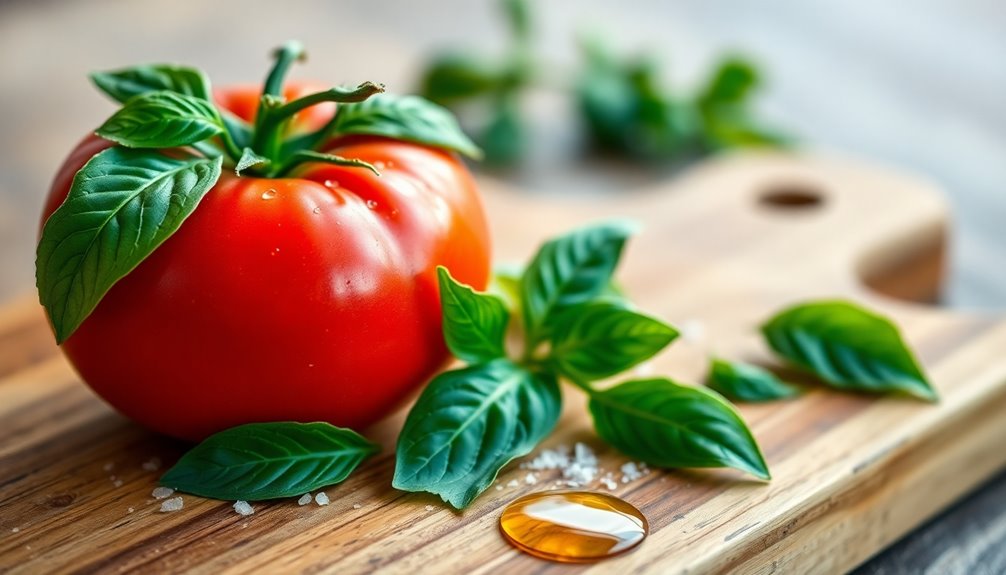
x=915, y=84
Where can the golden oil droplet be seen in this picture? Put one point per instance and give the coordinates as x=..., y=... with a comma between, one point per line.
x=573, y=526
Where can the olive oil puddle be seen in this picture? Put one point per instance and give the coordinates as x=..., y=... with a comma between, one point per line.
x=573, y=526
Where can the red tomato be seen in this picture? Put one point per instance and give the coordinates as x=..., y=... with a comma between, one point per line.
x=310, y=298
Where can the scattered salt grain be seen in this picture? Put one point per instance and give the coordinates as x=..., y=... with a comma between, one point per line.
x=162, y=492
x=633, y=471
x=499, y=488
x=117, y=483
x=321, y=498
x=429, y=508
x=152, y=464
x=608, y=481
x=512, y=483
x=173, y=504
x=357, y=506
x=15, y=529
x=243, y=508
x=109, y=466
x=131, y=510
x=530, y=479
x=304, y=499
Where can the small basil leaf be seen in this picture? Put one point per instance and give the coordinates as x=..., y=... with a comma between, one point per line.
x=667, y=424
x=459, y=76
x=269, y=460
x=731, y=84
x=468, y=424
x=849, y=347
x=249, y=159
x=745, y=382
x=600, y=339
x=121, y=206
x=162, y=120
x=123, y=84
x=474, y=323
x=408, y=118
x=570, y=270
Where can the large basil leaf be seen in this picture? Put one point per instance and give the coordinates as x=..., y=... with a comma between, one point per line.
x=745, y=382
x=602, y=338
x=569, y=270
x=468, y=424
x=123, y=84
x=458, y=76
x=474, y=323
x=162, y=120
x=269, y=460
x=670, y=425
x=849, y=347
x=121, y=206
x=408, y=118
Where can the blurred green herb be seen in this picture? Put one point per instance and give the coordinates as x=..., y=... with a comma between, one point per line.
x=625, y=108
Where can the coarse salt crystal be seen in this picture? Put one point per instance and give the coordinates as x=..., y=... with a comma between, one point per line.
x=429, y=508
x=173, y=504
x=152, y=464
x=512, y=483
x=131, y=510
x=162, y=492
x=357, y=506
x=530, y=479
x=304, y=499
x=321, y=498
x=117, y=483
x=243, y=508
x=15, y=529
x=499, y=488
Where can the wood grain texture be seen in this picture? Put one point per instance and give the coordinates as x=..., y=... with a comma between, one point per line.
x=851, y=473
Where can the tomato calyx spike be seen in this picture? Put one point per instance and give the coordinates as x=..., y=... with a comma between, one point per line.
x=302, y=156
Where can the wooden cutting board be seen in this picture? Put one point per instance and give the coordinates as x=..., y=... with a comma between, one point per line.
x=722, y=249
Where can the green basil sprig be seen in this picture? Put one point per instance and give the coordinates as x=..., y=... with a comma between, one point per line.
x=745, y=382
x=127, y=200
x=849, y=347
x=470, y=422
x=269, y=460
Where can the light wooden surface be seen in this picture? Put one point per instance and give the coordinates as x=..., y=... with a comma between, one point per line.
x=851, y=473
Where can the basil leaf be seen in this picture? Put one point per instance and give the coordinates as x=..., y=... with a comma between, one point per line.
x=474, y=323
x=123, y=84
x=569, y=270
x=250, y=159
x=745, y=382
x=269, y=460
x=121, y=206
x=732, y=83
x=849, y=347
x=667, y=424
x=459, y=76
x=162, y=120
x=600, y=339
x=468, y=424
x=408, y=118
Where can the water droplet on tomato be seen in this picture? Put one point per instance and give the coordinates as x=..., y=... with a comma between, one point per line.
x=372, y=204
x=573, y=526
x=317, y=210
x=333, y=184
x=269, y=194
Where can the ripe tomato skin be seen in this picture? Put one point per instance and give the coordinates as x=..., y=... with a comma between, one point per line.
x=309, y=298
